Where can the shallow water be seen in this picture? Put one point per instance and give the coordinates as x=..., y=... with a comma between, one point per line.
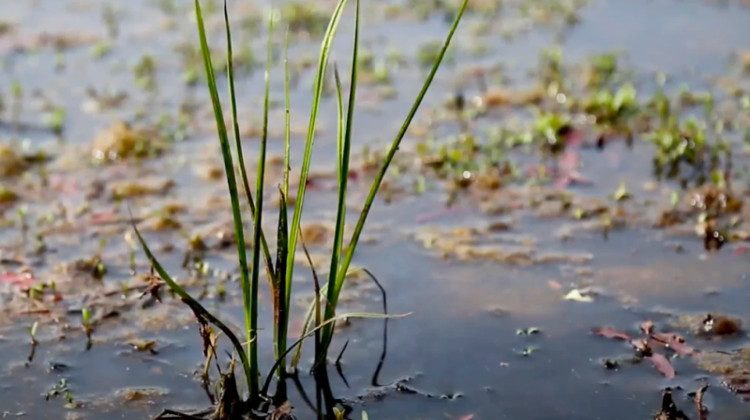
x=461, y=335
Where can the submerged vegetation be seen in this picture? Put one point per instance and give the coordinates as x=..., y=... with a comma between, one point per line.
x=322, y=315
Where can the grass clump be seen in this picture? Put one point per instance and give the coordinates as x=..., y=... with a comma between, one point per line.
x=279, y=267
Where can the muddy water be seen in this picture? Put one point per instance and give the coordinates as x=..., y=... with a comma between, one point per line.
x=462, y=348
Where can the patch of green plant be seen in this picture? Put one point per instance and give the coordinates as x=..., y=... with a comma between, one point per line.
x=613, y=109
x=464, y=158
x=684, y=150
x=550, y=130
x=279, y=267
x=145, y=72
x=602, y=68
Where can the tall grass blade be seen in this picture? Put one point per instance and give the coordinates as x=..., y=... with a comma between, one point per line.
x=325, y=51
x=340, y=121
x=316, y=283
x=260, y=181
x=344, y=267
x=287, y=119
x=343, y=173
x=281, y=314
x=280, y=309
x=232, y=184
x=200, y=312
x=237, y=140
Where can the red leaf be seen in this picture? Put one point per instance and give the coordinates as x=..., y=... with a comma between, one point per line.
x=103, y=217
x=609, y=332
x=675, y=342
x=662, y=364
x=23, y=280
x=647, y=327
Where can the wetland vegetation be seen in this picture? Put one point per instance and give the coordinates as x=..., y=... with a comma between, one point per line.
x=557, y=198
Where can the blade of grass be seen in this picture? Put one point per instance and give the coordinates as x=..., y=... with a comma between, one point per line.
x=340, y=122
x=316, y=283
x=280, y=327
x=238, y=142
x=344, y=146
x=325, y=50
x=281, y=315
x=260, y=181
x=200, y=312
x=232, y=185
x=344, y=267
x=287, y=118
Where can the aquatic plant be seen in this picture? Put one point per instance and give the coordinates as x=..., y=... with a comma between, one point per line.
x=279, y=270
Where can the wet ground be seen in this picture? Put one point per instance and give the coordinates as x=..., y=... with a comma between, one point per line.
x=528, y=267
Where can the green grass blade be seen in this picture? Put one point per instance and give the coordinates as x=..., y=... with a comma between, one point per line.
x=345, y=141
x=280, y=327
x=232, y=184
x=316, y=309
x=344, y=267
x=339, y=121
x=237, y=140
x=281, y=315
x=325, y=51
x=287, y=118
x=317, y=94
x=260, y=181
x=200, y=312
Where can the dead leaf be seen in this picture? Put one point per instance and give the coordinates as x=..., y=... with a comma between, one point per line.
x=674, y=342
x=609, y=332
x=698, y=399
x=662, y=364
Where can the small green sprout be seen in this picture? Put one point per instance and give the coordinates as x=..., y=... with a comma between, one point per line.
x=87, y=327
x=528, y=351
x=32, y=333
x=621, y=194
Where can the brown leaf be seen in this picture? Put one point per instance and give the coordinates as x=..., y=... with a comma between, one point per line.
x=674, y=342
x=609, y=332
x=698, y=399
x=662, y=364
